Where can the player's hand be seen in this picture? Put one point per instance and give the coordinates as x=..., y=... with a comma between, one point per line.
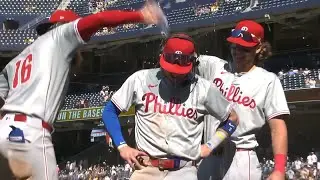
x=130, y=155
x=153, y=14
x=276, y=175
x=205, y=151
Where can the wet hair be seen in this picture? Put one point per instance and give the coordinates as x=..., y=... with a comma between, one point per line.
x=265, y=53
x=76, y=62
x=41, y=29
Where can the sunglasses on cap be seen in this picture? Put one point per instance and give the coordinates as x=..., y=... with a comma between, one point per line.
x=245, y=35
x=180, y=59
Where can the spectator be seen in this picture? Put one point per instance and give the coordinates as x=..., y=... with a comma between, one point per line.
x=253, y=4
x=83, y=103
x=314, y=158
x=307, y=83
x=100, y=6
x=295, y=71
x=314, y=172
x=280, y=74
x=127, y=170
x=291, y=73
x=290, y=174
x=105, y=93
x=90, y=7
x=306, y=71
x=297, y=164
x=270, y=163
x=68, y=166
x=312, y=83
x=310, y=159
x=304, y=173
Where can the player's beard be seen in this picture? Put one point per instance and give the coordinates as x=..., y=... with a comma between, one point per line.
x=176, y=79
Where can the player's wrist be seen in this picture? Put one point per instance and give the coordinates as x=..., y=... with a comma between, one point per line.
x=209, y=145
x=121, y=146
x=280, y=161
x=228, y=126
x=217, y=139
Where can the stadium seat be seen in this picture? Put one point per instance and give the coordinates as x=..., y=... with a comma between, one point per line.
x=93, y=99
x=27, y=7
x=180, y=13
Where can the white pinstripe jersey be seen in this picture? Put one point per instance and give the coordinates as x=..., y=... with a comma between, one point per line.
x=258, y=96
x=169, y=118
x=37, y=79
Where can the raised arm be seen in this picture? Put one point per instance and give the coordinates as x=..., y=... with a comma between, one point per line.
x=151, y=13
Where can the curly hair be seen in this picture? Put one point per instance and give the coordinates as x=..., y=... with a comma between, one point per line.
x=265, y=53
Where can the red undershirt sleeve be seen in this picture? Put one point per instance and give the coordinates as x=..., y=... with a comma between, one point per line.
x=89, y=25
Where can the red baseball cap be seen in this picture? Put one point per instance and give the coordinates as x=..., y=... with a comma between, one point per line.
x=252, y=27
x=63, y=16
x=178, y=46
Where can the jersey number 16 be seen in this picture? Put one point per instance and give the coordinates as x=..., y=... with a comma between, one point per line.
x=23, y=69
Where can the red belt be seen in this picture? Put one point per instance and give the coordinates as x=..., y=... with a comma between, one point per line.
x=167, y=164
x=163, y=163
x=23, y=118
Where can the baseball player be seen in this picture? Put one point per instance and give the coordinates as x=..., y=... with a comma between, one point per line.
x=259, y=99
x=36, y=82
x=170, y=103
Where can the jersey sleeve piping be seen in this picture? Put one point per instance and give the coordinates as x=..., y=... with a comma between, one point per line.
x=278, y=114
x=75, y=25
x=117, y=104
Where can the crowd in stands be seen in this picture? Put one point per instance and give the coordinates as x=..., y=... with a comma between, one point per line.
x=106, y=93
x=213, y=8
x=178, y=12
x=297, y=78
x=89, y=99
x=103, y=171
x=95, y=6
x=299, y=169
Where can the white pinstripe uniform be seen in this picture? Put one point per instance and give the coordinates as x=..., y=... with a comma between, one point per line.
x=37, y=80
x=258, y=96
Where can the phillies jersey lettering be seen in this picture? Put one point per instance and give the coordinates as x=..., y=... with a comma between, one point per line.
x=258, y=96
x=174, y=107
x=234, y=94
x=37, y=79
x=169, y=118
